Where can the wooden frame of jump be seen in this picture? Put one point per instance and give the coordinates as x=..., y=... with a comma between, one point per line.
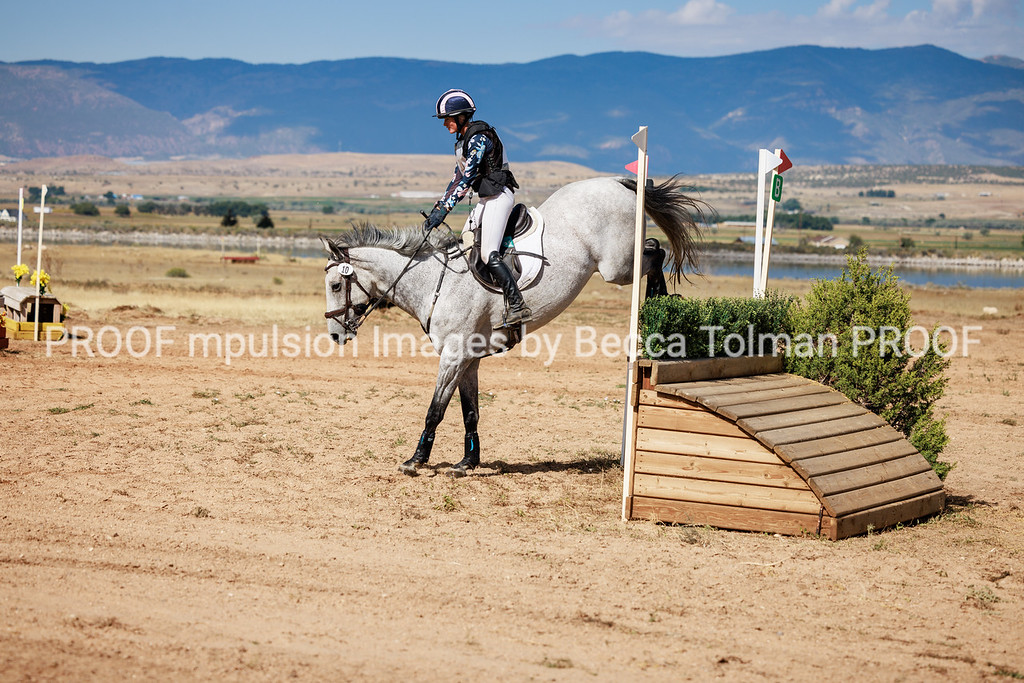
x=738, y=444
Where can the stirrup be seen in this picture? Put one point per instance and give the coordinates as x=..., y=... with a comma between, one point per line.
x=515, y=318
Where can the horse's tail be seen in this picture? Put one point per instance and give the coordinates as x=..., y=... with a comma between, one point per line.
x=680, y=218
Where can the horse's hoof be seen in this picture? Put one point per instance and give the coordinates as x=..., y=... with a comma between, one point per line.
x=461, y=468
x=409, y=468
x=456, y=472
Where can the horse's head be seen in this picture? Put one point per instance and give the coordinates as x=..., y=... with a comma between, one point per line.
x=347, y=298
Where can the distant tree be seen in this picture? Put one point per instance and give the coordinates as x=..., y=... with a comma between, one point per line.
x=264, y=221
x=110, y=197
x=85, y=209
x=34, y=194
x=328, y=209
x=865, y=220
x=148, y=206
x=855, y=244
x=803, y=221
x=122, y=210
x=229, y=220
x=792, y=205
x=906, y=243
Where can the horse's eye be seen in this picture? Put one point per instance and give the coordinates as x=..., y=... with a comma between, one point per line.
x=359, y=309
x=335, y=286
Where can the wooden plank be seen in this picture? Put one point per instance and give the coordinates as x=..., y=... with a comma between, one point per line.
x=753, y=425
x=819, y=430
x=862, y=457
x=721, y=493
x=743, y=449
x=715, y=469
x=847, y=503
x=739, y=383
x=695, y=421
x=724, y=516
x=668, y=372
x=759, y=383
x=862, y=477
x=650, y=397
x=782, y=405
x=888, y=515
x=756, y=396
x=837, y=444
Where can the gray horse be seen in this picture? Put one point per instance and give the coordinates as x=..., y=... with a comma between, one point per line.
x=589, y=227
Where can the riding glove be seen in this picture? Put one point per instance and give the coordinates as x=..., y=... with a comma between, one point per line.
x=435, y=219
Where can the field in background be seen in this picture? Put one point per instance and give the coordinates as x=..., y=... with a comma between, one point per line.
x=954, y=211
x=96, y=280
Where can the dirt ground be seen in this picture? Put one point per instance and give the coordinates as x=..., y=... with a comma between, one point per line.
x=179, y=517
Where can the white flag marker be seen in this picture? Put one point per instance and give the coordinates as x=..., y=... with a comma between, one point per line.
x=42, y=211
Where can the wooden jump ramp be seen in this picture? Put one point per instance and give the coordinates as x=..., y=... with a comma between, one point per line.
x=736, y=443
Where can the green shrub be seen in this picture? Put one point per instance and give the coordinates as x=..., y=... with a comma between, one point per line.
x=674, y=327
x=884, y=378
x=122, y=210
x=85, y=209
x=177, y=272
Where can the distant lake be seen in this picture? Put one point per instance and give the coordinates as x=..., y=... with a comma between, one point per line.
x=944, y=277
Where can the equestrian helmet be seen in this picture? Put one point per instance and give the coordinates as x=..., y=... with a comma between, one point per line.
x=454, y=102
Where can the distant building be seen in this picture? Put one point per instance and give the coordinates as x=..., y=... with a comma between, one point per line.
x=830, y=241
x=750, y=239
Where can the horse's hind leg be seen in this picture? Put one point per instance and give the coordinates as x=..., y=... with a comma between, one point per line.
x=654, y=263
x=450, y=372
x=469, y=397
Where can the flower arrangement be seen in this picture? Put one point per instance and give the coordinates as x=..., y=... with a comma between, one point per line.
x=42, y=277
x=20, y=271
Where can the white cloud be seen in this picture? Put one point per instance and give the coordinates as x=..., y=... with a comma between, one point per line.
x=701, y=12
x=974, y=28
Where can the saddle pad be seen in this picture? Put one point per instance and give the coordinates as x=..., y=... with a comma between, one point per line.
x=529, y=247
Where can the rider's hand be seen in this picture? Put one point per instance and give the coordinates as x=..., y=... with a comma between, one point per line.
x=435, y=219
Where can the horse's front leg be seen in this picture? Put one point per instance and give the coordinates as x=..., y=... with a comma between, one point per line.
x=450, y=371
x=469, y=397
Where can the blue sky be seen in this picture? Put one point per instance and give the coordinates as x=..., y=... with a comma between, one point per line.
x=302, y=31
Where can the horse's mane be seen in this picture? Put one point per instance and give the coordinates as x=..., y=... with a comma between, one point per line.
x=405, y=241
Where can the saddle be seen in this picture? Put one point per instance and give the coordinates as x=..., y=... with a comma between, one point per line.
x=520, y=224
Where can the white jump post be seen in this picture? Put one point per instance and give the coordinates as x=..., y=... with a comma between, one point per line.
x=629, y=445
x=42, y=211
x=21, y=212
x=766, y=162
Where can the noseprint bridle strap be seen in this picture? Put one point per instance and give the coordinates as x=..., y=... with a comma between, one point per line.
x=345, y=269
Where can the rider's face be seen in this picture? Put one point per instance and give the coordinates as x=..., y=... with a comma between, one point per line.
x=451, y=124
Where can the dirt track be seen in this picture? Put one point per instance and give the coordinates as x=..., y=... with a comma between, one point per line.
x=182, y=518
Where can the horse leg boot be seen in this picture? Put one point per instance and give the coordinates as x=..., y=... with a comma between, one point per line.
x=469, y=398
x=517, y=313
x=420, y=456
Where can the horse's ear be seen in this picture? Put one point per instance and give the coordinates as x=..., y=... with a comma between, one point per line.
x=331, y=248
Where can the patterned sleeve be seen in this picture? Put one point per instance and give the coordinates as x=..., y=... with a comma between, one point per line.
x=458, y=188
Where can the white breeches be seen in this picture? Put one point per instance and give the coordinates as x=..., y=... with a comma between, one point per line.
x=490, y=215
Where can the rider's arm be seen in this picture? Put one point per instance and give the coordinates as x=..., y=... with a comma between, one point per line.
x=459, y=187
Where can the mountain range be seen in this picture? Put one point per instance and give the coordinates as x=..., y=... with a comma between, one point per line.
x=914, y=105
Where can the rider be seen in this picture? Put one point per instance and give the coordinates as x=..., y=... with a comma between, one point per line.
x=481, y=165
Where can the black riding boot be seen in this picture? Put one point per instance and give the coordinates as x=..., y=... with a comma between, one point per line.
x=518, y=313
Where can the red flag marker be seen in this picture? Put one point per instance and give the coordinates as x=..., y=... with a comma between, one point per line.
x=634, y=167
x=786, y=163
